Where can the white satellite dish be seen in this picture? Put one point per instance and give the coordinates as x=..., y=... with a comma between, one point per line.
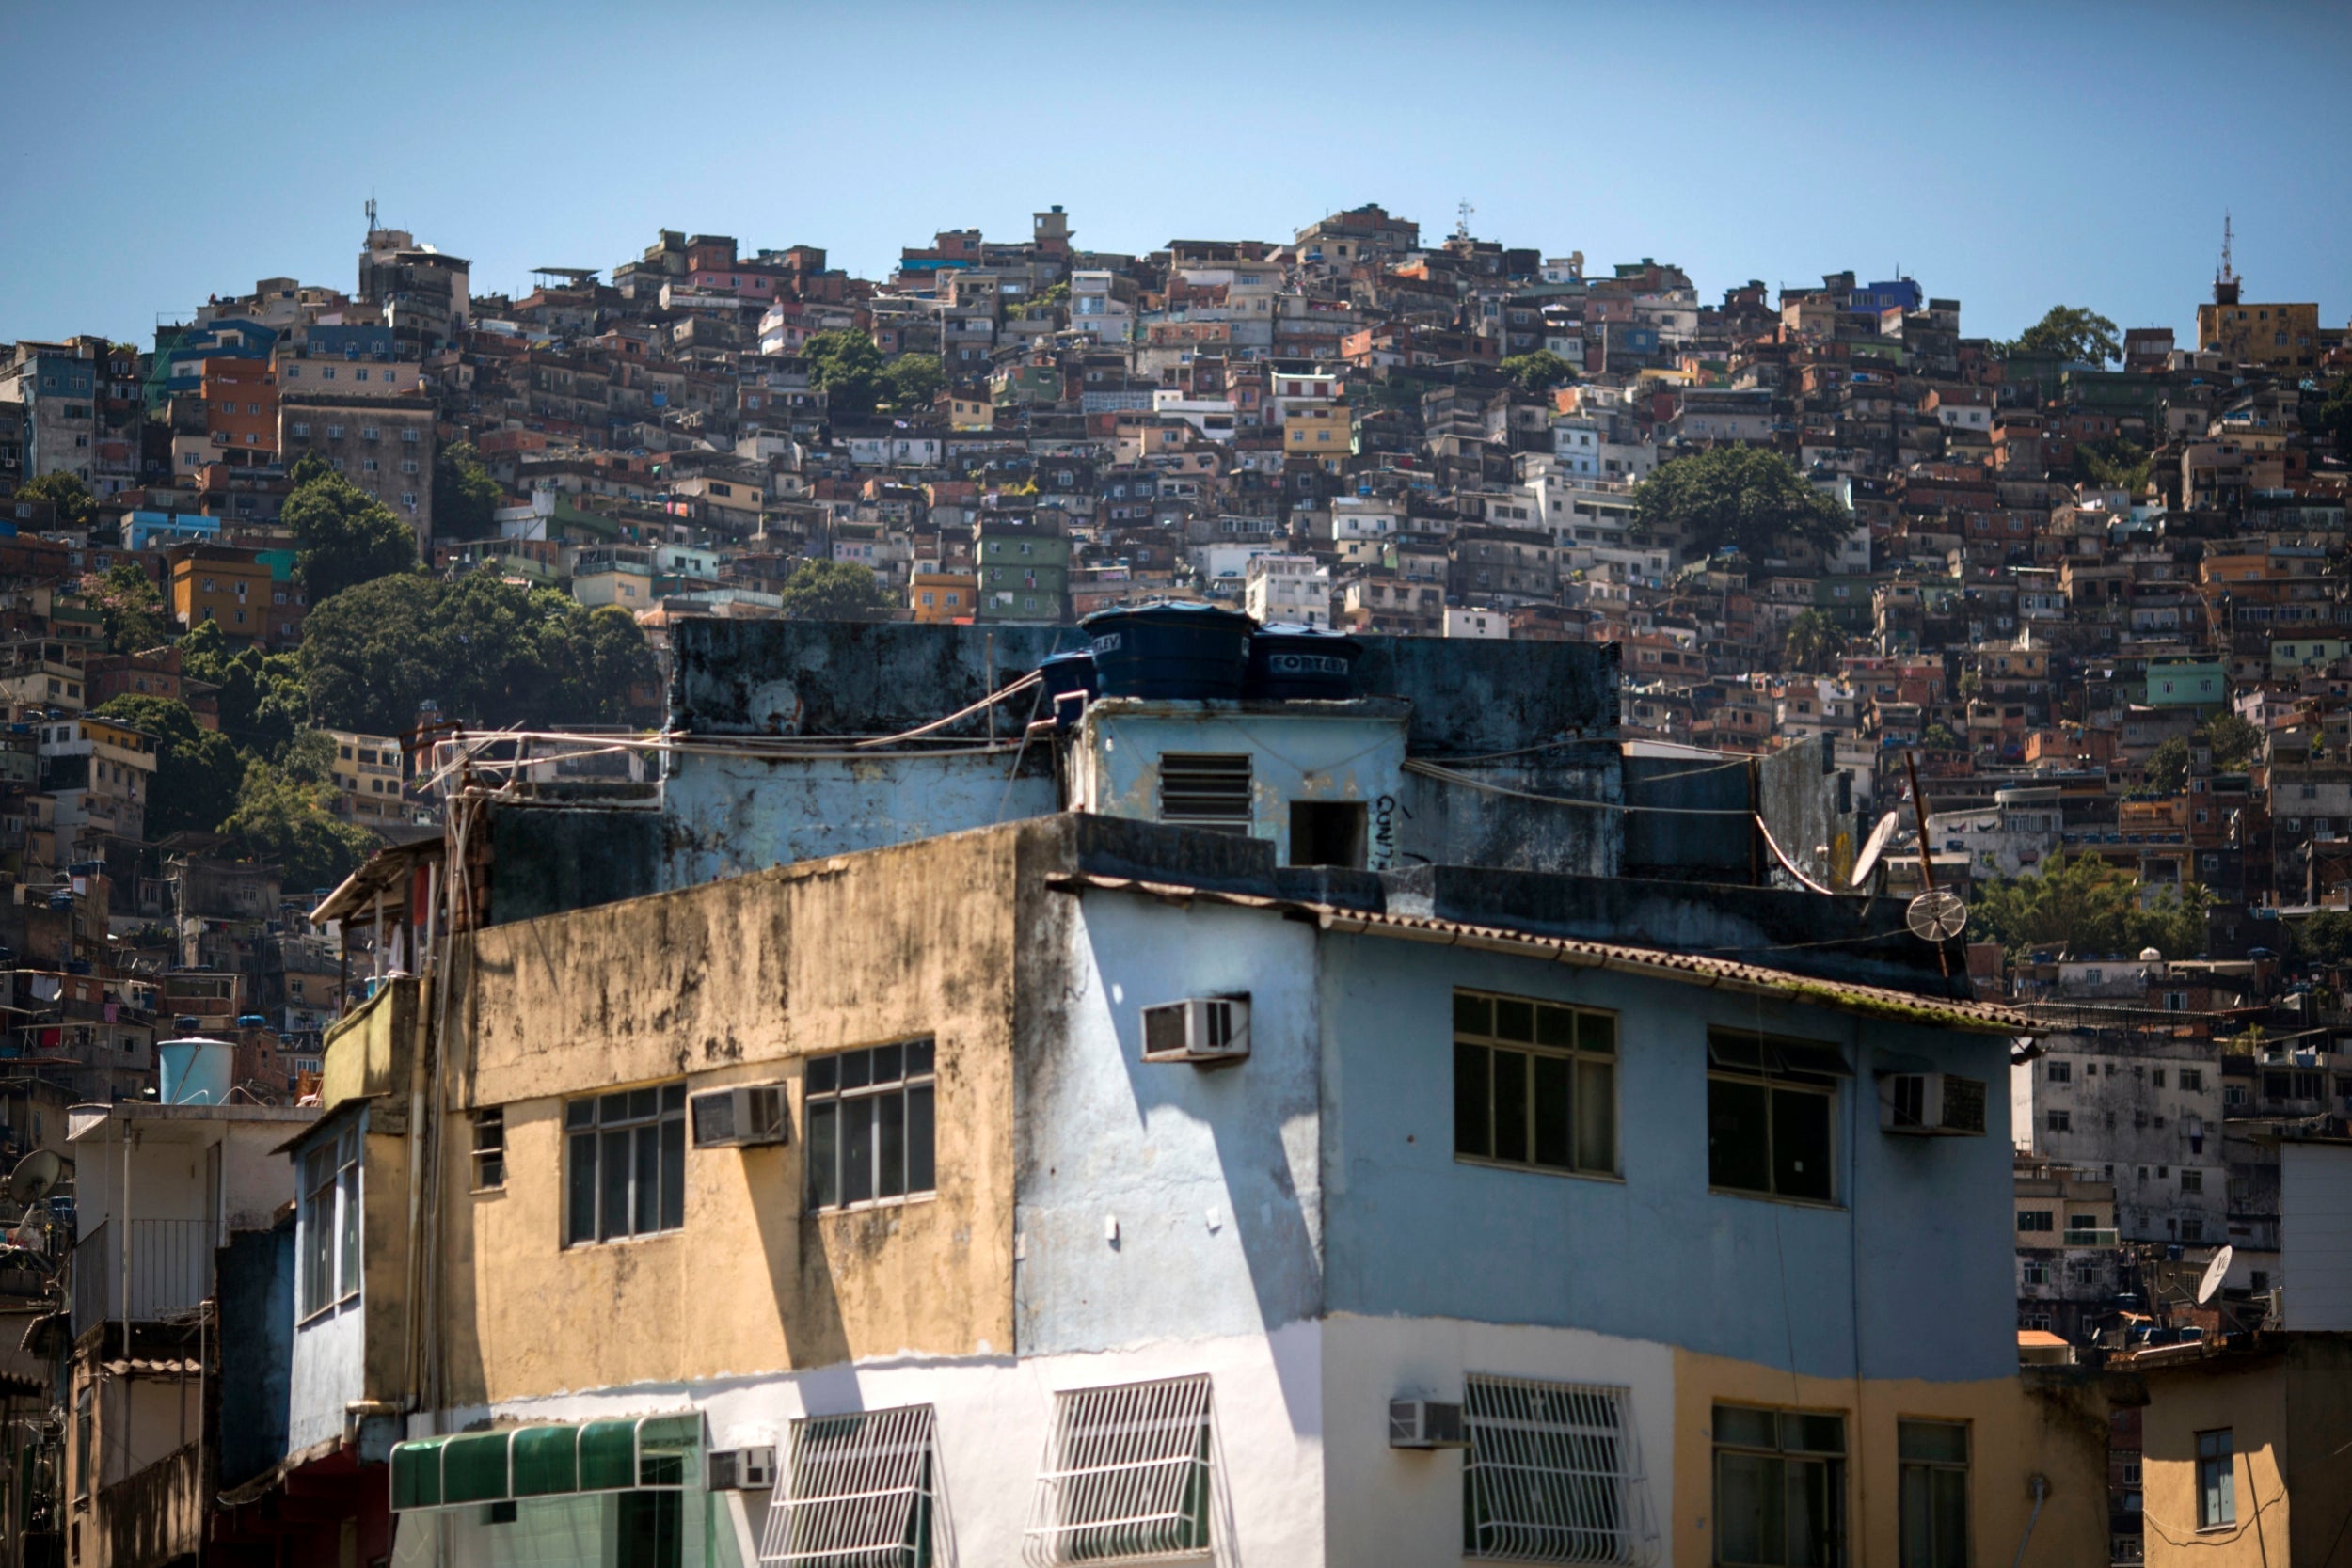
x=1937, y=915
x=34, y=1176
x=1872, y=848
x=2216, y=1271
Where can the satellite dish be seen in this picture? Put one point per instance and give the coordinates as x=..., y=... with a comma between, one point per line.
x=2216, y=1271
x=1872, y=849
x=34, y=1176
x=1937, y=915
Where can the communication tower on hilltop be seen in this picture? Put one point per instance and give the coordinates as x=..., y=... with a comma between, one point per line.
x=2225, y=281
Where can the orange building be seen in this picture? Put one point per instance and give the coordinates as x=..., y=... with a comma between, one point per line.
x=944, y=595
x=217, y=583
x=240, y=399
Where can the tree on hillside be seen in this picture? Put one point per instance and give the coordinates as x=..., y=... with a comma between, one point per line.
x=344, y=535
x=1746, y=497
x=2072, y=333
x=835, y=591
x=2087, y=906
x=912, y=380
x=1538, y=372
x=846, y=368
x=1813, y=644
x=465, y=498
x=2118, y=463
x=196, y=770
x=486, y=650
x=64, y=491
x=285, y=817
x=2335, y=415
x=259, y=695
x=131, y=609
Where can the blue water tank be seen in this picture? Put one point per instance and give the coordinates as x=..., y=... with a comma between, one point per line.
x=1301, y=664
x=1170, y=650
x=195, y=1071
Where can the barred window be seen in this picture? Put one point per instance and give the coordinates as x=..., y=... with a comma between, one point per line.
x=1126, y=1473
x=859, y=1492
x=1552, y=1474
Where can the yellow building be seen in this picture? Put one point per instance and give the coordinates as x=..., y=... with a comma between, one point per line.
x=219, y=584
x=970, y=413
x=2246, y=1451
x=944, y=595
x=1324, y=432
x=2279, y=337
x=368, y=773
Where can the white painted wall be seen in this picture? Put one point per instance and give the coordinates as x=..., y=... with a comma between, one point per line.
x=2316, y=1236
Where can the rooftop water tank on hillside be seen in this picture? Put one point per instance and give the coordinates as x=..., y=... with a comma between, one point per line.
x=1170, y=650
x=1302, y=663
x=195, y=1071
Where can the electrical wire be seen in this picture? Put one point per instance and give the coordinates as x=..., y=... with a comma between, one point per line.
x=1434, y=771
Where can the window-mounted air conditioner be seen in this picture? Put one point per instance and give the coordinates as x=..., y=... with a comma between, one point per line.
x=738, y=1116
x=743, y=1469
x=1199, y=1029
x=1425, y=1424
x=1931, y=1104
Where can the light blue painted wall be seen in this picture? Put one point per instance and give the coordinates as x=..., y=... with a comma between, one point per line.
x=1655, y=1256
x=726, y=816
x=1210, y=1172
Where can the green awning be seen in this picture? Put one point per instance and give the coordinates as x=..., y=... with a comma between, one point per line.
x=626, y=1454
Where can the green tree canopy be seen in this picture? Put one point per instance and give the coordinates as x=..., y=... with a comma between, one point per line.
x=486, y=650
x=912, y=380
x=1538, y=372
x=1748, y=497
x=196, y=770
x=835, y=591
x=2118, y=463
x=132, y=610
x=846, y=368
x=2084, y=905
x=285, y=817
x=2335, y=415
x=64, y=491
x=1813, y=643
x=2168, y=767
x=2074, y=333
x=465, y=498
x=261, y=697
x=344, y=535
x=2324, y=938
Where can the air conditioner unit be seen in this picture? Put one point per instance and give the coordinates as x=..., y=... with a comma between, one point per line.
x=743, y=1469
x=1199, y=1029
x=1931, y=1104
x=1425, y=1424
x=738, y=1116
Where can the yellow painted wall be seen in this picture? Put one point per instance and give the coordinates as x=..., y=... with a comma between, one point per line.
x=736, y=981
x=2251, y=1401
x=2056, y=1427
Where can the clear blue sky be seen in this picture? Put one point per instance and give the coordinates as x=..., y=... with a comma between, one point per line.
x=2013, y=155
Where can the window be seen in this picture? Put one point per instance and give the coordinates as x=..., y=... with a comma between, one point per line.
x=2217, y=1484
x=2059, y=1072
x=2033, y=1273
x=329, y=1222
x=857, y=1489
x=1127, y=1474
x=1771, y=1104
x=1208, y=790
x=1780, y=1488
x=2192, y=1079
x=1550, y=1474
x=628, y=1173
x=1534, y=1084
x=870, y=1119
x=2035, y=1219
x=1934, y=1494
x=2061, y=1121
x=489, y=1148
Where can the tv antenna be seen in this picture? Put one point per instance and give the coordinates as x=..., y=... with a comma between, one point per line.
x=1462, y=216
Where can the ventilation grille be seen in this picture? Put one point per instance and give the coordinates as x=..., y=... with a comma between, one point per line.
x=1205, y=789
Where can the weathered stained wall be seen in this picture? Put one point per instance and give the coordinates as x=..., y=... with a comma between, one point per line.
x=548, y=858
x=255, y=1285
x=736, y=981
x=1518, y=815
x=725, y=815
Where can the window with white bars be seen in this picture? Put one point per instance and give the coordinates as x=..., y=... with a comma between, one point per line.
x=858, y=1492
x=1126, y=1475
x=1553, y=1474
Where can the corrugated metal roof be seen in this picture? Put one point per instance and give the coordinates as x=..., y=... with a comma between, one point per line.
x=1986, y=1017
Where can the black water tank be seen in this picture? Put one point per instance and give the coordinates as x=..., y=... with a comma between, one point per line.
x=1171, y=649
x=1070, y=682
x=1302, y=664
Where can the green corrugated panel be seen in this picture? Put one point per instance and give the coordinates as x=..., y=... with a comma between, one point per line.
x=417, y=1473
x=473, y=1468
x=608, y=1456
x=666, y=1448
x=547, y=1460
